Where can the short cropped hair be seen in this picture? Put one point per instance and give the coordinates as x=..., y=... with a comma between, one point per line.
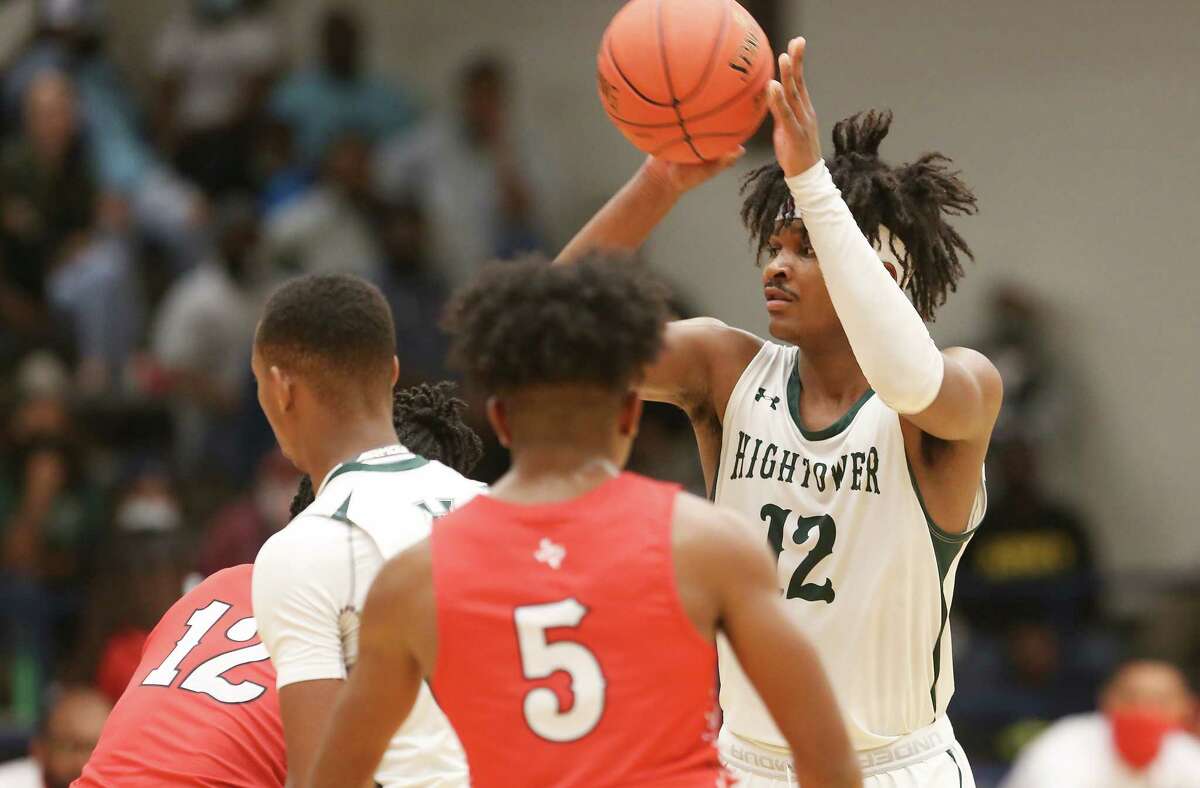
x=330, y=327
x=598, y=321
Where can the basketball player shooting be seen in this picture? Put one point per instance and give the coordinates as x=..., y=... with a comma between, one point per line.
x=854, y=443
x=567, y=620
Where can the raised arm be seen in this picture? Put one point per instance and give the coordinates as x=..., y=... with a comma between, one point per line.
x=952, y=395
x=384, y=684
x=630, y=215
x=795, y=690
x=701, y=358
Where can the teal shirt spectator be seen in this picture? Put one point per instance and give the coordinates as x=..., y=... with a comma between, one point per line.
x=320, y=107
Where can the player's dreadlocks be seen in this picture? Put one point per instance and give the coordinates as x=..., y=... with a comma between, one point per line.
x=911, y=200
x=428, y=421
x=596, y=322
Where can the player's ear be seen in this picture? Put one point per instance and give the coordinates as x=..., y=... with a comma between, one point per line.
x=631, y=414
x=395, y=371
x=498, y=417
x=282, y=389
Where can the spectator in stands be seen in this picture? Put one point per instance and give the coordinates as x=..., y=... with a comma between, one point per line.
x=328, y=229
x=57, y=247
x=216, y=63
x=64, y=741
x=1138, y=739
x=415, y=291
x=203, y=333
x=1028, y=595
x=1034, y=555
x=477, y=163
x=239, y=528
x=47, y=193
x=279, y=174
x=49, y=512
x=140, y=574
x=336, y=96
x=69, y=38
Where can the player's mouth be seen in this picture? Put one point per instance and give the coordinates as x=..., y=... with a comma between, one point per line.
x=777, y=299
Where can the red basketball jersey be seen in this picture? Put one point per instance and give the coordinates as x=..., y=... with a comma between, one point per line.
x=201, y=709
x=565, y=656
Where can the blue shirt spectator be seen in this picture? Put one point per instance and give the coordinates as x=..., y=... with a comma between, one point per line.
x=336, y=97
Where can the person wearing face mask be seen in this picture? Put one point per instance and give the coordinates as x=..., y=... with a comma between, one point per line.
x=1137, y=739
x=149, y=502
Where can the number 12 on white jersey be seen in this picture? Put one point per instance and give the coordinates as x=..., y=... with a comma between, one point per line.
x=540, y=660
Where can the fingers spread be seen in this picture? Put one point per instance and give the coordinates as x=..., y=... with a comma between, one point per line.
x=778, y=103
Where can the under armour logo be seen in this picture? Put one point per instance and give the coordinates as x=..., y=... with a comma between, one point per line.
x=550, y=553
x=762, y=394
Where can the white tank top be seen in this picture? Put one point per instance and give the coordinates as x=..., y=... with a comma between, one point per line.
x=866, y=574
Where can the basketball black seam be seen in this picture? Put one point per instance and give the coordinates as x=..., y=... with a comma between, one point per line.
x=613, y=57
x=706, y=114
x=705, y=136
x=662, y=54
x=712, y=59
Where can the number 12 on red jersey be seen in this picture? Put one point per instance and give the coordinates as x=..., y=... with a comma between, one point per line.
x=207, y=677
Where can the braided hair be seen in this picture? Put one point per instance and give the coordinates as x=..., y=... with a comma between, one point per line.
x=912, y=200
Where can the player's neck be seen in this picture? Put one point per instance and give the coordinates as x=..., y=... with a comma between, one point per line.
x=831, y=374
x=545, y=474
x=345, y=440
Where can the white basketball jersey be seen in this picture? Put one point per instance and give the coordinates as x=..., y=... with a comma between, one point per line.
x=386, y=501
x=866, y=574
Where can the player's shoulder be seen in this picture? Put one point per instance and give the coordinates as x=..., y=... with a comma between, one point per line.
x=231, y=581
x=715, y=335
x=309, y=548
x=712, y=534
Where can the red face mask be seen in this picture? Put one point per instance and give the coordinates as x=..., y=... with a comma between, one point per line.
x=1138, y=736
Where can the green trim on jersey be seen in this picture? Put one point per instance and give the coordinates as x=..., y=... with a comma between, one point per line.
x=945, y=547
x=343, y=512
x=950, y=752
x=712, y=496
x=793, y=403
x=408, y=464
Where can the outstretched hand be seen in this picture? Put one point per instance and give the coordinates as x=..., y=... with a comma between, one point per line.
x=680, y=178
x=797, y=138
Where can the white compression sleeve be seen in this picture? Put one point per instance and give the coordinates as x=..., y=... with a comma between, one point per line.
x=888, y=337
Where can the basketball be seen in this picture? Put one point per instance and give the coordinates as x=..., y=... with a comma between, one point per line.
x=684, y=80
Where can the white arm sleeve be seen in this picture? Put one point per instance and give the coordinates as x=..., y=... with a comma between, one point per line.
x=302, y=583
x=888, y=337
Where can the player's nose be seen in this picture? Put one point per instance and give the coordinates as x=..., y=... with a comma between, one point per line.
x=775, y=269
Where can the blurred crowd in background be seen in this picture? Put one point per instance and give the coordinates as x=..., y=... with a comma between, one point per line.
x=139, y=235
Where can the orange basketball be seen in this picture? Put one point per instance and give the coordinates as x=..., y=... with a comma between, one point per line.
x=684, y=79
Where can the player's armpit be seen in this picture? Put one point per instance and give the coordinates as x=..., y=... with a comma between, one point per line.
x=968, y=401
x=794, y=688
x=699, y=365
x=379, y=695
